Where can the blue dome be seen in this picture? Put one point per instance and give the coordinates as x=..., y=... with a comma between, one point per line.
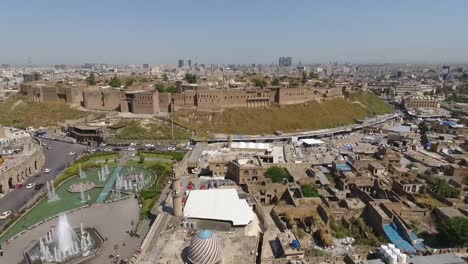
x=204, y=234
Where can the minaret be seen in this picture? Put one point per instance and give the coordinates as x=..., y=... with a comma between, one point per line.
x=176, y=194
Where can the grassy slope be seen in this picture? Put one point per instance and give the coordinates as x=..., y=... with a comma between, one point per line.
x=310, y=116
x=21, y=113
x=154, y=131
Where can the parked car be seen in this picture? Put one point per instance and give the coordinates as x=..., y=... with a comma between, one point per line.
x=19, y=186
x=71, y=153
x=47, y=170
x=171, y=148
x=30, y=185
x=38, y=186
x=5, y=215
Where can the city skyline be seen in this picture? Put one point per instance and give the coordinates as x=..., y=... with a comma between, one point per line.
x=136, y=32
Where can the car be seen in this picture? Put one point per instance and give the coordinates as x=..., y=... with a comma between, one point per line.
x=171, y=148
x=133, y=155
x=132, y=144
x=131, y=149
x=49, y=148
x=5, y=215
x=19, y=186
x=71, y=153
x=47, y=170
x=38, y=186
x=44, y=144
x=30, y=185
x=108, y=149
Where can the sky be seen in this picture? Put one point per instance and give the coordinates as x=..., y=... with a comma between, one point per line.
x=238, y=31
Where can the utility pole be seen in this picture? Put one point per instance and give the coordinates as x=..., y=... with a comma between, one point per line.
x=172, y=121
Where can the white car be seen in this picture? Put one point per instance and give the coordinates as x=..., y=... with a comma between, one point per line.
x=30, y=185
x=47, y=170
x=171, y=148
x=133, y=155
x=71, y=153
x=5, y=215
x=132, y=144
x=149, y=145
x=131, y=149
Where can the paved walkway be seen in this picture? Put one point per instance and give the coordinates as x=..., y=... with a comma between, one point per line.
x=108, y=187
x=112, y=220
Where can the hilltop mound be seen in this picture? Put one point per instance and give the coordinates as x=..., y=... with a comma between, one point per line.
x=302, y=117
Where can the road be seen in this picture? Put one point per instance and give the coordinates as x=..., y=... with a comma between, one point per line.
x=56, y=159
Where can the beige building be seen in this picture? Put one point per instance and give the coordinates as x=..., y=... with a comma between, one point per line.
x=244, y=171
x=421, y=101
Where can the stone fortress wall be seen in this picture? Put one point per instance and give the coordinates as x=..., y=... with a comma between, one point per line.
x=198, y=98
x=28, y=165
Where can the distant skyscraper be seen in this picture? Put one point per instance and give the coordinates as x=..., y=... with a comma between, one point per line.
x=180, y=63
x=285, y=61
x=145, y=66
x=445, y=72
x=189, y=63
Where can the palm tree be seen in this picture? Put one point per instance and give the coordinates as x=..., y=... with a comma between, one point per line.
x=442, y=188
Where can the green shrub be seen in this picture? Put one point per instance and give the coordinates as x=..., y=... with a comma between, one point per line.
x=277, y=174
x=309, y=191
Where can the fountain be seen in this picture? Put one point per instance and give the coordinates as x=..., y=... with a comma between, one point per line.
x=106, y=168
x=131, y=182
x=81, y=173
x=64, y=244
x=84, y=198
x=52, y=196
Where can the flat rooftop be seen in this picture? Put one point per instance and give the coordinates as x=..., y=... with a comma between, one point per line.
x=218, y=204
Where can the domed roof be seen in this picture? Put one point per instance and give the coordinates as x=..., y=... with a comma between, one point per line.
x=205, y=248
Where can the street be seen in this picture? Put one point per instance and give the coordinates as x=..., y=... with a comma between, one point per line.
x=56, y=159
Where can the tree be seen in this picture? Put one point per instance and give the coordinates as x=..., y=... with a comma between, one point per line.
x=304, y=77
x=172, y=89
x=309, y=191
x=91, y=80
x=191, y=78
x=277, y=174
x=142, y=159
x=144, y=80
x=259, y=83
x=160, y=87
x=442, y=188
x=129, y=81
x=115, y=82
x=275, y=82
x=165, y=78
x=454, y=232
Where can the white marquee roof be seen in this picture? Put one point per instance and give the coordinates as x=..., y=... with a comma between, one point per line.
x=218, y=204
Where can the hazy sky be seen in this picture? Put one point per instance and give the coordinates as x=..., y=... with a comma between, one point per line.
x=238, y=31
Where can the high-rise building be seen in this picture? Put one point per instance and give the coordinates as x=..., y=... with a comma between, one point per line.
x=30, y=77
x=189, y=63
x=285, y=61
x=445, y=72
x=180, y=63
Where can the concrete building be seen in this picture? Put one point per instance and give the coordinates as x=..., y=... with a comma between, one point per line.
x=26, y=160
x=421, y=101
x=285, y=61
x=247, y=170
x=31, y=77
